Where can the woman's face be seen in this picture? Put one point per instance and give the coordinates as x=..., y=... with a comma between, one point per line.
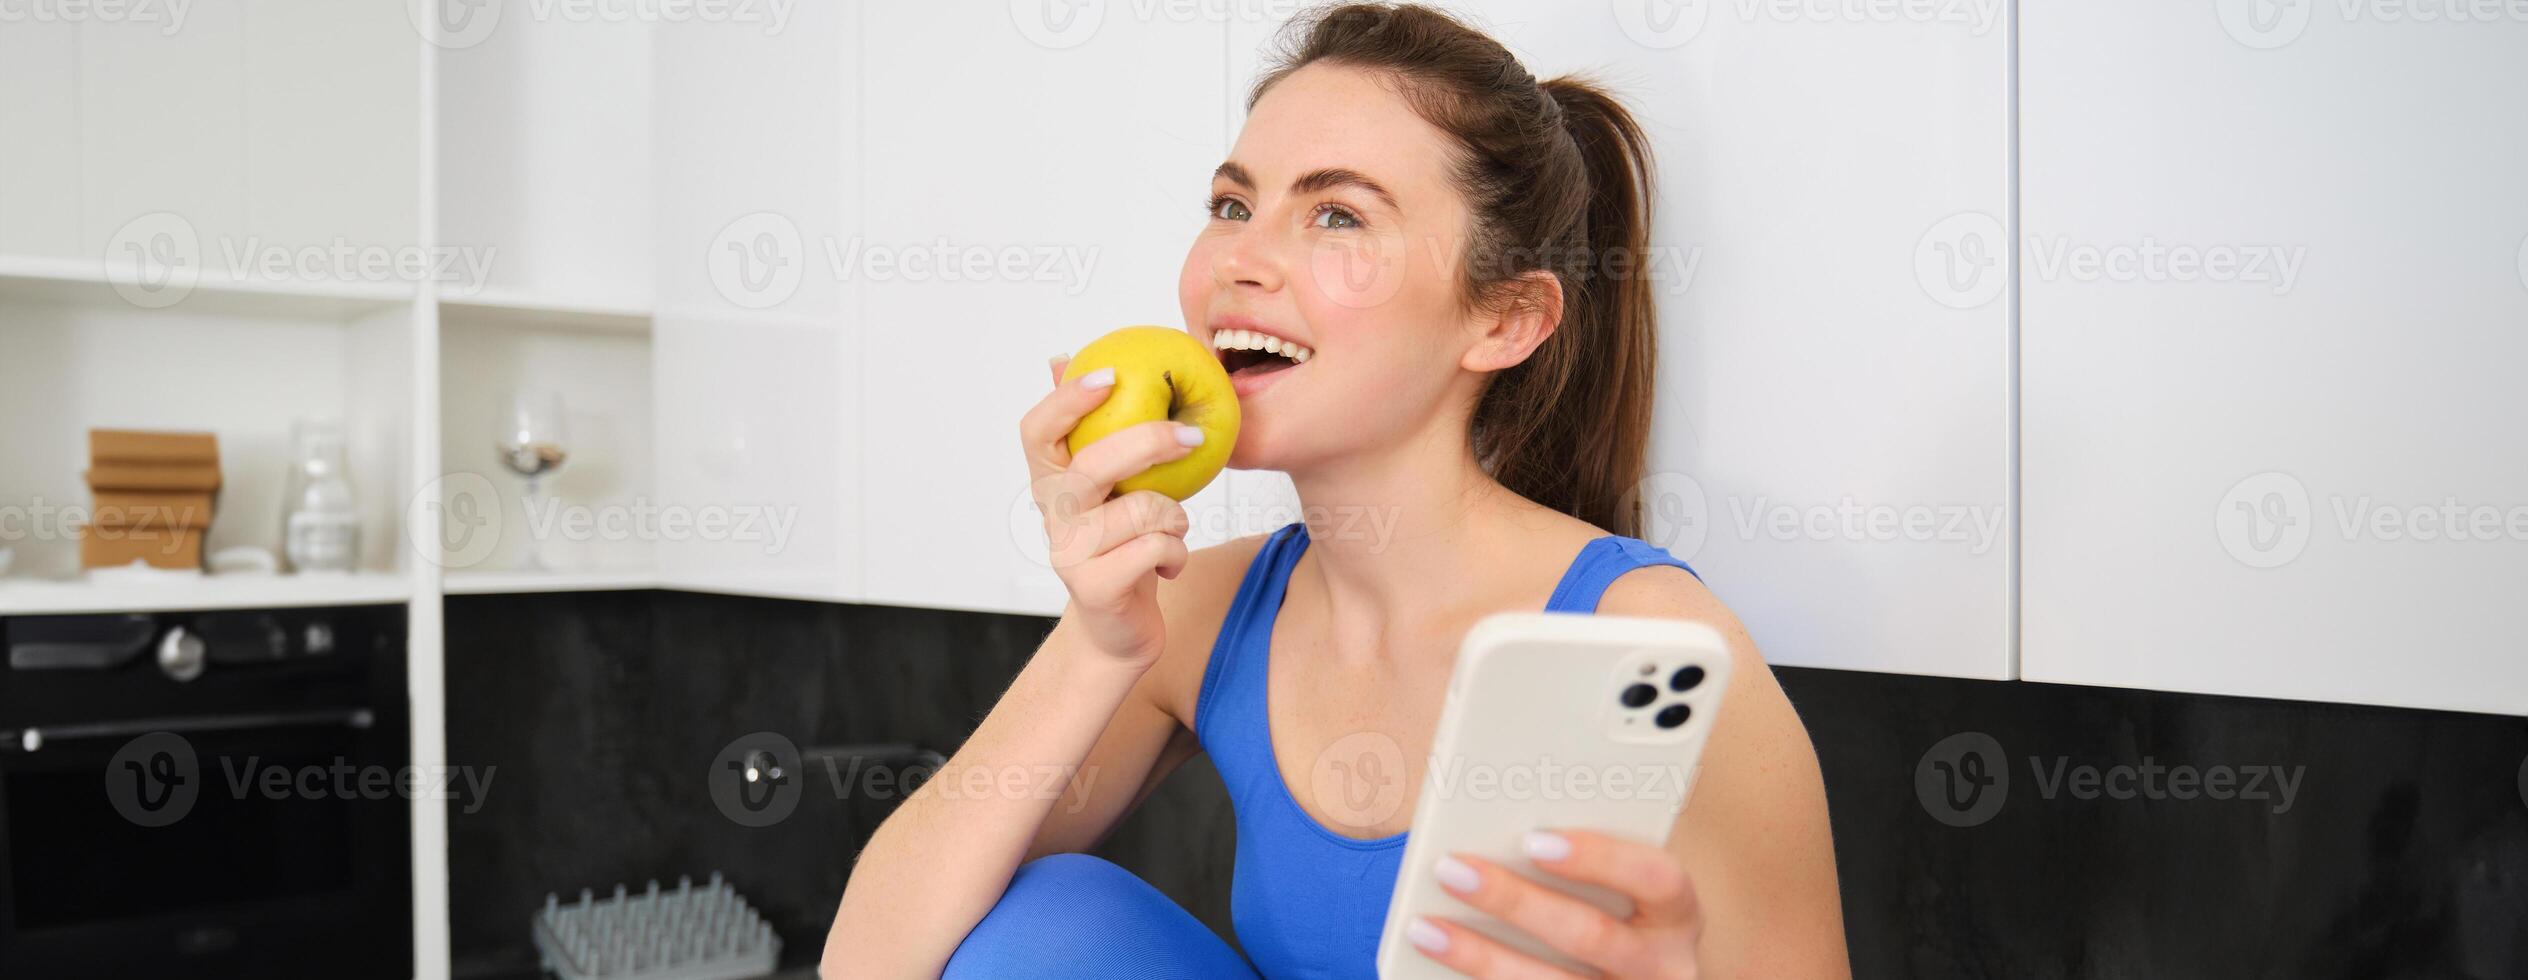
x=1333, y=226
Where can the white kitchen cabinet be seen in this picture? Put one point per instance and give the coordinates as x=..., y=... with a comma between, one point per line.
x=2273, y=292
x=758, y=346
x=544, y=157
x=1028, y=186
x=39, y=141
x=214, y=121
x=1832, y=446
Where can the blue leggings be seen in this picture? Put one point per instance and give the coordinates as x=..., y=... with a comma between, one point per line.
x=1073, y=915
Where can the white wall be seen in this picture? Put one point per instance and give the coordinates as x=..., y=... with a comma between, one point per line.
x=2236, y=466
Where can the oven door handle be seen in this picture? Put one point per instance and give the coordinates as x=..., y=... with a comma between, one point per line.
x=33, y=738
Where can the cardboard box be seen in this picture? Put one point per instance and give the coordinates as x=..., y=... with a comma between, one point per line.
x=153, y=476
x=151, y=508
x=114, y=547
x=161, y=448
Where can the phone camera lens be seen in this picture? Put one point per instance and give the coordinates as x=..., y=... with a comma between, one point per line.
x=1639, y=695
x=1686, y=678
x=1674, y=715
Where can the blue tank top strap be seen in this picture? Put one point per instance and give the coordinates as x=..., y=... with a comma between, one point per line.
x=1247, y=627
x=1599, y=564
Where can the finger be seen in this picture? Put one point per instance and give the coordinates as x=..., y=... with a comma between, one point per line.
x=1102, y=527
x=1069, y=505
x=1655, y=880
x=1166, y=553
x=1042, y=430
x=1138, y=513
x=1118, y=573
x=1057, y=363
x=1127, y=451
x=1580, y=930
x=1477, y=955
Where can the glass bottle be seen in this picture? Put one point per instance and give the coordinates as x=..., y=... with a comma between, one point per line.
x=322, y=524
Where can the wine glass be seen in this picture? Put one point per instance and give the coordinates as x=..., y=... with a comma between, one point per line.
x=530, y=444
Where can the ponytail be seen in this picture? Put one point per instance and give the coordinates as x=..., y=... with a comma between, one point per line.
x=1557, y=175
x=1570, y=428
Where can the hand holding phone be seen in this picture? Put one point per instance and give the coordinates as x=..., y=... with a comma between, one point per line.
x=1590, y=726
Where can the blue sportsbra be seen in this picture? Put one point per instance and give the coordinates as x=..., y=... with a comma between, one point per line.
x=1308, y=901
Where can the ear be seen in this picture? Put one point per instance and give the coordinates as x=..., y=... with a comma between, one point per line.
x=1531, y=314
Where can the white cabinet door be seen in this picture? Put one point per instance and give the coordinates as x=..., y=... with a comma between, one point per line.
x=332, y=134
x=545, y=155
x=1033, y=176
x=149, y=146
x=2274, y=290
x=756, y=348
x=39, y=140
x=1832, y=444
x=269, y=140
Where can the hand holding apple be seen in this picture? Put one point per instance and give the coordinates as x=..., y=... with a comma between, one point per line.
x=1161, y=373
x=1109, y=549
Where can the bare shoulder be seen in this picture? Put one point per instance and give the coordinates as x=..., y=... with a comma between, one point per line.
x=1755, y=835
x=1755, y=714
x=1194, y=605
x=1670, y=592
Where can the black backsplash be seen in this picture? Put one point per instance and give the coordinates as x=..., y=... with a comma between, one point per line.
x=2403, y=851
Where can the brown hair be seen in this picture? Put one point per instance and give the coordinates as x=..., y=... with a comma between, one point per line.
x=1557, y=176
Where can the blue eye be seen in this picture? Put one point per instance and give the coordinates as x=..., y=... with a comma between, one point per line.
x=1227, y=208
x=1334, y=217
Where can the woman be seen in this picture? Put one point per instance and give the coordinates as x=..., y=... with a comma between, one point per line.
x=1441, y=251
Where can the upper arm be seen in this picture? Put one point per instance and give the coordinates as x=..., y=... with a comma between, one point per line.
x=1754, y=835
x=1149, y=734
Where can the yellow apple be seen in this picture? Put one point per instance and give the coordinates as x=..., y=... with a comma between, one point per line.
x=1161, y=373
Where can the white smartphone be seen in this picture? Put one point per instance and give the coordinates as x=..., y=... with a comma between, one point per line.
x=1554, y=720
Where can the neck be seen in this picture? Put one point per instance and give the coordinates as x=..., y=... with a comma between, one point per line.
x=1385, y=528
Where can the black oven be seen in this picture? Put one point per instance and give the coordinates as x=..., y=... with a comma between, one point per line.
x=206, y=794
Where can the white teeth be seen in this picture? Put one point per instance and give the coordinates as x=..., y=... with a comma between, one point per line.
x=1252, y=340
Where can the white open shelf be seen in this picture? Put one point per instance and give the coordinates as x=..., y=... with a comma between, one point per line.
x=61, y=281
x=26, y=597
x=529, y=582
x=519, y=308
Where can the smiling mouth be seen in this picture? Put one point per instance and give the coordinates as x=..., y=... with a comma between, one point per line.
x=1247, y=352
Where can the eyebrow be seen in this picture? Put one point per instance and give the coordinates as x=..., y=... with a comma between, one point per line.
x=1314, y=180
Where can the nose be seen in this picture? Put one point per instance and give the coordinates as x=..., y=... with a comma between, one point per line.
x=1249, y=259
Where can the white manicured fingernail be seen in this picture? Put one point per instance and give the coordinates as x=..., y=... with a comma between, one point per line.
x=1187, y=435
x=1101, y=378
x=1426, y=937
x=1456, y=875
x=1545, y=846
